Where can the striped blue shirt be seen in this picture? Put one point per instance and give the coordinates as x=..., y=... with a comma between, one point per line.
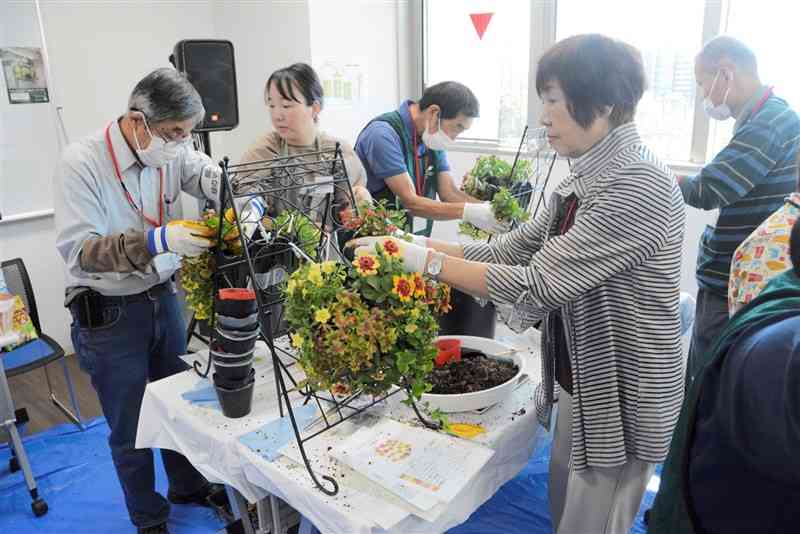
x=747, y=181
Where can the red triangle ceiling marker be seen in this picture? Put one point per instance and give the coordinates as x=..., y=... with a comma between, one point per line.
x=481, y=22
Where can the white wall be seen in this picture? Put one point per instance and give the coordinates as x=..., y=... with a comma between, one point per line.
x=363, y=32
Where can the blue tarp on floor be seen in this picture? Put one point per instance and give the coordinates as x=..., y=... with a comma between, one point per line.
x=76, y=477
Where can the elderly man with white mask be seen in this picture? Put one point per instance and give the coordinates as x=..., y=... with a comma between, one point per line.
x=120, y=235
x=746, y=181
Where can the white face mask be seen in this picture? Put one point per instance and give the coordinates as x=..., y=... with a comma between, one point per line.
x=159, y=152
x=438, y=140
x=721, y=112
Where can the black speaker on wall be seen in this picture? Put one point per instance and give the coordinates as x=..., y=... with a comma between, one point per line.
x=209, y=65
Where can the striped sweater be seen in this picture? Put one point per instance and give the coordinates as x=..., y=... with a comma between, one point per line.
x=614, y=276
x=747, y=181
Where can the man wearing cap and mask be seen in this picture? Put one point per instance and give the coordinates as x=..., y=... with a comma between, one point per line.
x=121, y=236
x=747, y=181
x=404, y=154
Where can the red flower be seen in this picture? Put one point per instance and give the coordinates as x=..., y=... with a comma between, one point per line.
x=391, y=247
x=403, y=287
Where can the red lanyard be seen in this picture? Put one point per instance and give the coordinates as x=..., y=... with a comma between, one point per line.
x=417, y=174
x=133, y=205
x=569, y=216
x=761, y=102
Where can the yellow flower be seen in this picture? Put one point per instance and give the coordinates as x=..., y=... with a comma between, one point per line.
x=290, y=287
x=297, y=340
x=414, y=313
x=328, y=267
x=403, y=287
x=411, y=328
x=315, y=274
x=322, y=315
x=366, y=264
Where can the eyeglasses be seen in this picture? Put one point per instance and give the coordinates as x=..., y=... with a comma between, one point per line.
x=175, y=135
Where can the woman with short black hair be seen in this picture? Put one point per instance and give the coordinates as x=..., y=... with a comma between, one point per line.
x=600, y=268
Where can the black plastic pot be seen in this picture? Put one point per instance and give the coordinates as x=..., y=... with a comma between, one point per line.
x=468, y=317
x=233, y=371
x=233, y=384
x=236, y=344
x=244, y=324
x=236, y=403
x=236, y=308
x=224, y=357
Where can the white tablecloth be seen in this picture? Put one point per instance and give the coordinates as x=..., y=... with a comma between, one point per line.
x=210, y=442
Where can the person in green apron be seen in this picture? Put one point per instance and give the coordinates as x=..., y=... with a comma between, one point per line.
x=733, y=463
x=403, y=153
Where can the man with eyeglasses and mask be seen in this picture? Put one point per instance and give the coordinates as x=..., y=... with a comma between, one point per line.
x=121, y=236
x=747, y=181
x=404, y=155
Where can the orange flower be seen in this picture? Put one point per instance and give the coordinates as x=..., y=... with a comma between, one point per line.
x=403, y=287
x=419, y=285
x=366, y=264
x=391, y=248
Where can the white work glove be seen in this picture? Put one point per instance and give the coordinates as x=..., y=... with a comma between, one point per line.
x=251, y=211
x=185, y=238
x=415, y=257
x=211, y=183
x=419, y=240
x=481, y=215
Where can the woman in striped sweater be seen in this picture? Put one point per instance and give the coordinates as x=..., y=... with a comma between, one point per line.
x=600, y=268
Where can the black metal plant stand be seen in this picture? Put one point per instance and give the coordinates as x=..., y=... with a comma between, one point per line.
x=316, y=188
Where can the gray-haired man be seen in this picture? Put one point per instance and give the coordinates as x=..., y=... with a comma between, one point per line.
x=118, y=215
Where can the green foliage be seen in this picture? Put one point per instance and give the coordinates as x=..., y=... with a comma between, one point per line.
x=506, y=208
x=489, y=179
x=367, y=326
x=197, y=273
x=376, y=220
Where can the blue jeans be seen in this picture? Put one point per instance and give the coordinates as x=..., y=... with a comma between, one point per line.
x=710, y=318
x=138, y=341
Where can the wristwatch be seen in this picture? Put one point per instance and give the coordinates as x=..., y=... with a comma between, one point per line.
x=435, y=264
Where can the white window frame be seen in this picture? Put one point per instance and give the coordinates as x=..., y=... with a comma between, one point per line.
x=543, y=32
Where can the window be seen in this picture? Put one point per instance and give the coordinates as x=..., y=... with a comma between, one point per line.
x=495, y=65
x=666, y=112
x=498, y=66
x=768, y=33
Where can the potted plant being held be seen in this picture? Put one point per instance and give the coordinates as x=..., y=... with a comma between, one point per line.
x=491, y=179
x=367, y=325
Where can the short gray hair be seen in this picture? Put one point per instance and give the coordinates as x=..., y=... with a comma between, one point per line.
x=725, y=46
x=166, y=94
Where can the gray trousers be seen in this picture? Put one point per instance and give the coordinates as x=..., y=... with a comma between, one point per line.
x=599, y=500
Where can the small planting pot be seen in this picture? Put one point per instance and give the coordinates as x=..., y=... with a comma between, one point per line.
x=233, y=384
x=236, y=302
x=224, y=357
x=233, y=371
x=468, y=317
x=234, y=343
x=238, y=402
x=248, y=323
x=448, y=350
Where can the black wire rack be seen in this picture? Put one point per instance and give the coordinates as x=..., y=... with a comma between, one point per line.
x=314, y=189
